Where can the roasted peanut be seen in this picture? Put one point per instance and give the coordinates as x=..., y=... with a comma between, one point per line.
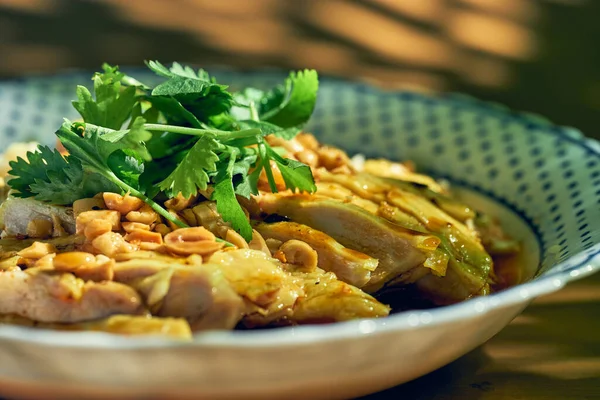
x=113, y=217
x=208, y=217
x=331, y=157
x=83, y=205
x=37, y=250
x=300, y=253
x=39, y=228
x=112, y=243
x=194, y=259
x=101, y=271
x=273, y=244
x=145, y=215
x=172, y=226
x=72, y=260
x=236, y=239
x=308, y=157
x=308, y=141
x=162, y=229
x=96, y=227
x=85, y=265
x=133, y=226
x=196, y=240
x=122, y=204
x=140, y=235
x=179, y=203
x=46, y=262
x=258, y=243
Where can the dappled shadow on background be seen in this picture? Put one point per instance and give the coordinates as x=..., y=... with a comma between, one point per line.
x=532, y=55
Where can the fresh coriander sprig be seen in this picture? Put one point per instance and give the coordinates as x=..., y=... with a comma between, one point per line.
x=186, y=134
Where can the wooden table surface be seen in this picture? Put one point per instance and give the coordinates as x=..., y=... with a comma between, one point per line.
x=551, y=351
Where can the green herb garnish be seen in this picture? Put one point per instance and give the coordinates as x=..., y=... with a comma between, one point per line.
x=184, y=135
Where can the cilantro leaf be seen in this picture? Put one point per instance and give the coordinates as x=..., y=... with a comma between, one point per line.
x=291, y=104
x=268, y=128
x=126, y=166
x=197, y=92
x=174, y=111
x=191, y=173
x=240, y=177
x=296, y=175
x=112, y=106
x=49, y=177
x=227, y=204
x=177, y=70
x=132, y=138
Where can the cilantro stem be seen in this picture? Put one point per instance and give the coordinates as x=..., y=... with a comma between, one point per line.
x=253, y=112
x=264, y=159
x=223, y=135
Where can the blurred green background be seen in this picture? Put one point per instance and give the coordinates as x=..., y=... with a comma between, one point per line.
x=541, y=56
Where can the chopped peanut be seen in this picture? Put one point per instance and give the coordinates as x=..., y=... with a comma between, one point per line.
x=83, y=205
x=258, y=243
x=73, y=260
x=300, y=253
x=236, y=239
x=194, y=259
x=308, y=141
x=96, y=227
x=180, y=203
x=133, y=226
x=141, y=235
x=46, y=262
x=162, y=229
x=273, y=244
x=308, y=157
x=331, y=157
x=37, y=250
x=122, y=204
x=196, y=240
x=85, y=265
x=108, y=215
x=112, y=243
x=145, y=215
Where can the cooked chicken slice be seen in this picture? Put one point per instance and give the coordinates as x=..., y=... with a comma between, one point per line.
x=285, y=293
x=119, y=324
x=201, y=294
x=260, y=279
x=61, y=297
x=353, y=227
x=328, y=299
x=16, y=214
x=420, y=209
x=349, y=265
x=389, y=169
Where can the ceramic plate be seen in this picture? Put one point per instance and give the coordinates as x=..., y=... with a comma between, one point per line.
x=542, y=180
